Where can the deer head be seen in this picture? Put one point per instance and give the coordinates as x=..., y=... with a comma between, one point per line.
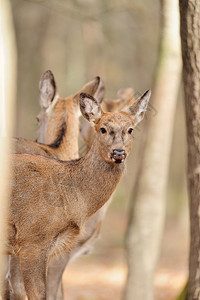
x=124, y=98
x=113, y=130
x=53, y=115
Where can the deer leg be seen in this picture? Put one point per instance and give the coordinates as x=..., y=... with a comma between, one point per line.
x=33, y=264
x=57, y=265
x=16, y=284
x=5, y=293
x=6, y=290
x=56, y=268
x=60, y=293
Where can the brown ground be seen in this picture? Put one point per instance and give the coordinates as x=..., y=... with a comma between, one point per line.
x=101, y=275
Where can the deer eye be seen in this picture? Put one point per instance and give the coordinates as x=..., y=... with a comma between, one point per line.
x=130, y=130
x=103, y=130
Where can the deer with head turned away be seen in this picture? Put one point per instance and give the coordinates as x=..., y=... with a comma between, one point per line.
x=58, y=120
x=52, y=200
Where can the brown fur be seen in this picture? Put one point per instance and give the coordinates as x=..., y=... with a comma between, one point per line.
x=58, y=126
x=49, y=195
x=63, y=130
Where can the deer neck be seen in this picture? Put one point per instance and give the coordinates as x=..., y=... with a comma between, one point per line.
x=97, y=179
x=66, y=142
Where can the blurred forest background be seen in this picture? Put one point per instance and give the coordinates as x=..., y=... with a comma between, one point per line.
x=119, y=41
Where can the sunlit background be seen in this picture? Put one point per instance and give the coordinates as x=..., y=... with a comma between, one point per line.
x=119, y=41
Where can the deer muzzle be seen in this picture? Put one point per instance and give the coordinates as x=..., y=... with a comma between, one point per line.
x=118, y=156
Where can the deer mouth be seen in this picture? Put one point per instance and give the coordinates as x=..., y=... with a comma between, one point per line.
x=118, y=156
x=117, y=161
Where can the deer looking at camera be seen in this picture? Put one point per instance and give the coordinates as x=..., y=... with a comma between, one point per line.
x=56, y=114
x=85, y=241
x=52, y=200
x=125, y=97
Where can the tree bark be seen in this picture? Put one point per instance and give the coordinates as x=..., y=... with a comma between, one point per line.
x=7, y=108
x=190, y=39
x=148, y=204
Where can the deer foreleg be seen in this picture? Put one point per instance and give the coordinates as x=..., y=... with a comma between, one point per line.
x=33, y=264
x=56, y=268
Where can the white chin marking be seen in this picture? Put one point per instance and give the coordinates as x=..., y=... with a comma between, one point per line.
x=113, y=159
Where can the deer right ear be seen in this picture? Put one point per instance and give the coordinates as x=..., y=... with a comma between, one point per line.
x=90, y=108
x=94, y=88
x=48, y=89
x=139, y=107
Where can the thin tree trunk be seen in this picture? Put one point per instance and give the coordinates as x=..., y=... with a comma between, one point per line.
x=7, y=97
x=148, y=204
x=190, y=38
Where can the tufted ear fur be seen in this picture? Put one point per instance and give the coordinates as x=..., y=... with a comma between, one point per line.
x=94, y=88
x=48, y=89
x=99, y=95
x=90, y=108
x=139, y=107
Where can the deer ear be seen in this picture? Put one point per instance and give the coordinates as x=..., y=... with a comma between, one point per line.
x=94, y=88
x=126, y=94
x=90, y=108
x=139, y=107
x=48, y=89
x=100, y=92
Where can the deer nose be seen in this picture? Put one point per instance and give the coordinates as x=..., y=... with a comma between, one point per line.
x=119, y=154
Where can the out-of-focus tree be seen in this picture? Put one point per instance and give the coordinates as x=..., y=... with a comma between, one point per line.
x=7, y=107
x=148, y=203
x=30, y=27
x=190, y=40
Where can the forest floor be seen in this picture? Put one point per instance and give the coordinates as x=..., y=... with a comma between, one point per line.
x=102, y=274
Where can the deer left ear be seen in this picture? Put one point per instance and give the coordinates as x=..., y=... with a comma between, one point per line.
x=139, y=107
x=48, y=89
x=99, y=95
x=90, y=108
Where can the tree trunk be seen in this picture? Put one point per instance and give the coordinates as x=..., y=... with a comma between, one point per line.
x=148, y=204
x=7, y=96
x=190, y=38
